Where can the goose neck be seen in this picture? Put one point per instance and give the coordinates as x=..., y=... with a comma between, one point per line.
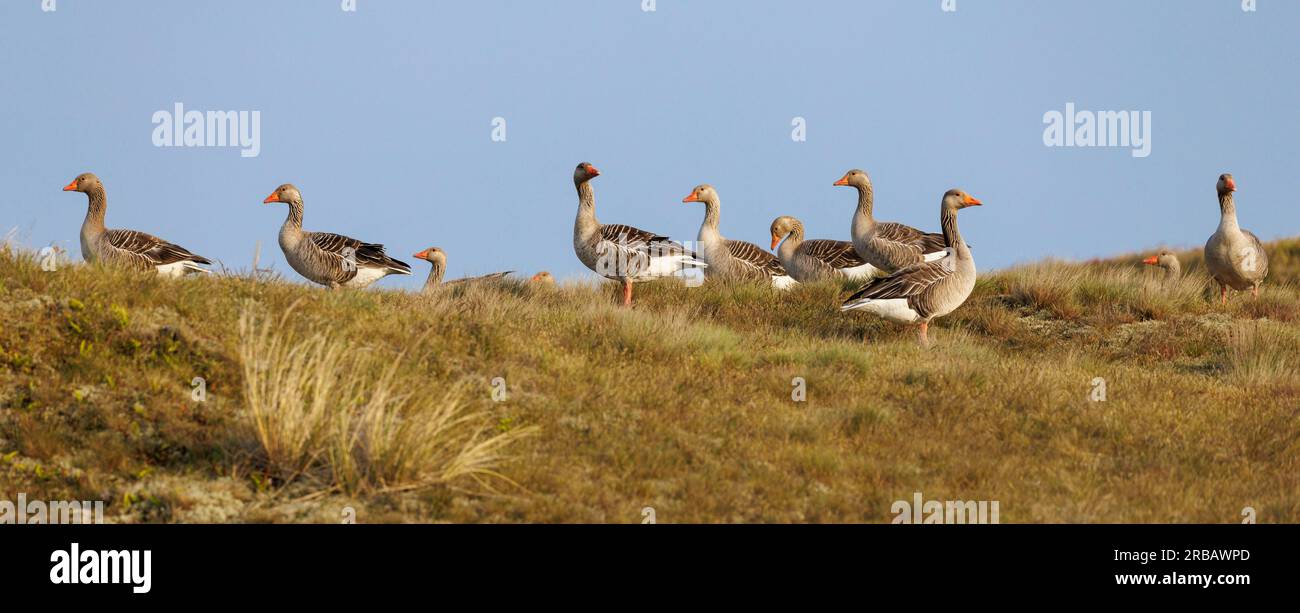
x=793, y=239
x=951, y=235
x=436, y=272
x=709, y=232
x=586, y=222
x=866, y=199
x=1227, y=212
x=294, y=220
x=97, y=206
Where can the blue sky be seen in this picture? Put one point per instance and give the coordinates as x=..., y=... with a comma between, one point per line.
x=382, y=118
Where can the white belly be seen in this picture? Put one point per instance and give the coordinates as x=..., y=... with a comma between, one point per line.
x=892, y=309
x=365, y=276
x=784, y=282
x=178, y=269
x=864, y=272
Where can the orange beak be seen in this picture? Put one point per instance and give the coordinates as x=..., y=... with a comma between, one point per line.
x=843, y=181
x=592, y=169
x=421, y=255
x=1232, y=185
x=272, y=198
x=691, y=198
x=972, y=201
x=775, y=240
x=71, y=186
x=1151, y=260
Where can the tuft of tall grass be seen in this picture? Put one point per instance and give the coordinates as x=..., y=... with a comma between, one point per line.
x=1262, y=352
x=350, y=420
x=1093, y=292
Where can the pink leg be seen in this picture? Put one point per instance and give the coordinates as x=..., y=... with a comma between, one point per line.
x=1223, y=295
x=925, y=338
x=1254, y=291
x=627, y=292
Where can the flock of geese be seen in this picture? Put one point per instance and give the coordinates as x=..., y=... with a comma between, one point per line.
x=910, y=276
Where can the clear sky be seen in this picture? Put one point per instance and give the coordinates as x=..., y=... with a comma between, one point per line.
x=383, y=118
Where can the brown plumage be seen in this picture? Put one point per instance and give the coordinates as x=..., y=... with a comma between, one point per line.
x=619, y=251
x=818, y=259
x=332, y=260
x=925, y=290
x=437, y=258
x=887, y=246
x=128, y=248
x=1234, y=257
x=1168, y=261
x=732, y=259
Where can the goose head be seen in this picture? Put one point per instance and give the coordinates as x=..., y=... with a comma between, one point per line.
x=1226, y=184
x=85, y=182
x=286, y=193
x=585, y=172
x=782, y=227
x=955, y=199
x=543, y=278
x=702, y=193
x=854, y=178
x=432, y=255
x=1164, y=259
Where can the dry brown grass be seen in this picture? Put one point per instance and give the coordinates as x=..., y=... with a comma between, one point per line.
x=682, y=403
x=339, y=415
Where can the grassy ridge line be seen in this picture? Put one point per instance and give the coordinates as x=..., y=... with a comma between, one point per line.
x=683, y=403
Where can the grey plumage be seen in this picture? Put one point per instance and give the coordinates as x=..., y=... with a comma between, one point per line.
x=1234, y=257
x=332, y=260
x=128, y=248
x=437, y=259
x=1167, y=261
x=925, y=290
x=732, y=259
x=887, y=246
x=618, y=251
x=818, y=259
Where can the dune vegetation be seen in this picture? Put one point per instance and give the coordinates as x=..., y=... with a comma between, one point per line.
x=1069, y=392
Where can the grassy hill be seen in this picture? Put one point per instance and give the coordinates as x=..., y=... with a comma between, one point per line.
x=383, y=401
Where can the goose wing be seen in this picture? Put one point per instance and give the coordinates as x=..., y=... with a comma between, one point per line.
x=148, y=250
x=337, y=248
x=754, y=257
x=838, y=254
x=637, y=239
x=487, y=277
x=1261, y=256
x=909, y=283
x=927, y=242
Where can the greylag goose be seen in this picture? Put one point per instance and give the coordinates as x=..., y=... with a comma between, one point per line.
x=886, y=245
x=130, y=248
x=1234, y=257
x=618, y=251
x=732, y=259
x=1167, y=260
x=332, y=260
x=544, y=279
x=925, y=290
x=817, y=259
x=438, y=259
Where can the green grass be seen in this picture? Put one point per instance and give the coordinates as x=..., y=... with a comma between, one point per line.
x=382, y=400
